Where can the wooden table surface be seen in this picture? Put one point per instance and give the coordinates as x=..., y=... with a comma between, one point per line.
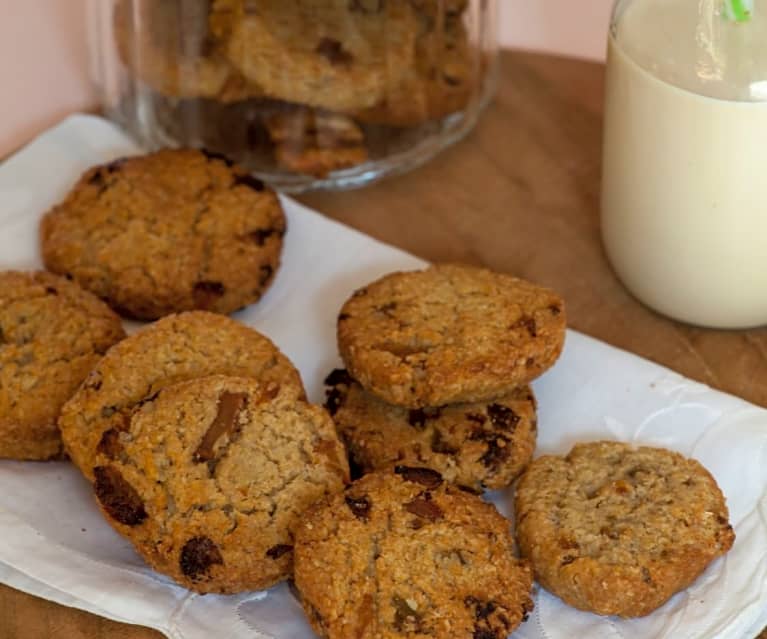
x=520, y=194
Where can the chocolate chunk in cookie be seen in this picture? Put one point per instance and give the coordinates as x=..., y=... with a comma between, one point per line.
x=118, y=498
x=478, y=445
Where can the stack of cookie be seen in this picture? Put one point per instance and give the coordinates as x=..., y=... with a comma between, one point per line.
x=302, y=80
x=436, y=398
x=434, y=407
x=203, y=450
x=439, y=365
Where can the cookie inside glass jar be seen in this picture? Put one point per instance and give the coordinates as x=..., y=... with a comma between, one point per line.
x=307, y=93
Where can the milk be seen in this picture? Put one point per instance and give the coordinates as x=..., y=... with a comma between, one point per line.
x=684, y=193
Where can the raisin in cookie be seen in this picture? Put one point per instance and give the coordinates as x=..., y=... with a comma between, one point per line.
x=51, y=334
x=176, y=348
x=449, y=334
x=209, y=478
x=617, y=530
x=165, y=232
x=335, y=54
x=402, y=553
x=477, y=446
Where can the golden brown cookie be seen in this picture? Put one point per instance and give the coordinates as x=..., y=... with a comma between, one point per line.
x=442, y=80
x=209, y=478
x=402, y=553
x=170, y=231
x=440, y=9
x=449, y=334
x=51, y=334
x=174, y=51
x=617, y=530
x=482, y=445
x=334, y=54
x=174, y=349
x=315, y=142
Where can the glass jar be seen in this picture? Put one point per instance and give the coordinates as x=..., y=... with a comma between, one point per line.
x=684, y=198
x=305, y=93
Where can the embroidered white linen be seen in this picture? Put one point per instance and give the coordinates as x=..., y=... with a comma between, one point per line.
x=54, y=543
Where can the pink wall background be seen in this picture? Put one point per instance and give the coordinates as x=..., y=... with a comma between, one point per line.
x=43, y=53
x=570, y=27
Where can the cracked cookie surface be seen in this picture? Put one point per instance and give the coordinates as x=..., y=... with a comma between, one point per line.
x=174, y=349
x=618, y=530
x=403, y=553
x=170, y=231
x=51, y=334
x=210, y=477
x=449, y=334
x=481, y=445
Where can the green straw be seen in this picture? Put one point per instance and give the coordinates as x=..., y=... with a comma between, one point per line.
x=739, y=10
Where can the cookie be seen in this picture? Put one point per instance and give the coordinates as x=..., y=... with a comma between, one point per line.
x=51, y=334
x=315, y=142
x=174, y=51
x=617, y=530
x=402, y=553
x=477, y=446
x=209, y=478
x=442, y=81
x=174, y=349
x=436, y=9
x=449, y=334
x=170, y=231
x=339, y=55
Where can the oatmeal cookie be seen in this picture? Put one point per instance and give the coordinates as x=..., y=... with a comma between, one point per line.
x=449, y=334
x=174, y=349
x=340, y=55
x=402, y=553
x=51, y=334
x=435, y=9
x=482, y=445
x=618, y=530
x=209, y=478
x=170, y=231
x=442, y=80
x=175, y=53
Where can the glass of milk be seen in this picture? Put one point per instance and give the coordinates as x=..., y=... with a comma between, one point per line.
x=684, y=185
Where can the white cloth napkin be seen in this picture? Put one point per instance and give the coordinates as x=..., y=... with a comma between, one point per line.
x=54, y=543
